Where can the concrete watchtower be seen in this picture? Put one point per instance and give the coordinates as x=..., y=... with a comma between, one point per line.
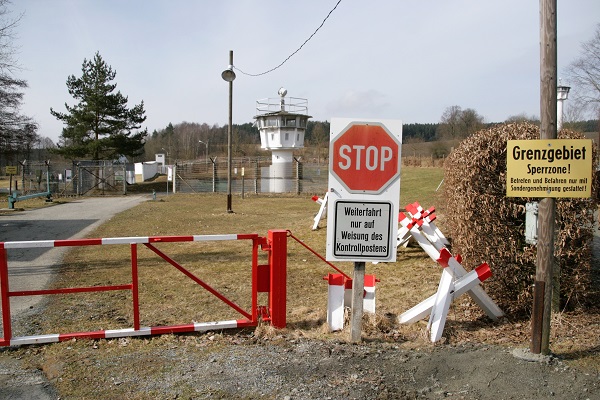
x=282, y=124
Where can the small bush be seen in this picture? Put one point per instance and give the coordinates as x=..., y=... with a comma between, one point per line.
x=485, y=225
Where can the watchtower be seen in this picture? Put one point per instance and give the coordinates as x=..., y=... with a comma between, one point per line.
x=282, y=124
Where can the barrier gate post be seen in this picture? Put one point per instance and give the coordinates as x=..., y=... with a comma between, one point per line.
x=5, y=299
x=278, y=278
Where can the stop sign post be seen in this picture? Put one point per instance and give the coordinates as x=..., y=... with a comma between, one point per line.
x=364, y=198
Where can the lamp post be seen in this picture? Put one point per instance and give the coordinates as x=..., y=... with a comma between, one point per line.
x=228, y=75
x=206, y=144
x=562, y=94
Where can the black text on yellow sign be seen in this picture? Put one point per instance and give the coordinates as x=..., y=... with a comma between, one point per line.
x=549, y=168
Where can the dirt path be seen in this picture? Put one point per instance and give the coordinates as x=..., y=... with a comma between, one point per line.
x=29, y=270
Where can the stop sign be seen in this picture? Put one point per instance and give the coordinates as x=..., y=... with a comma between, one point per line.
x=365, y=158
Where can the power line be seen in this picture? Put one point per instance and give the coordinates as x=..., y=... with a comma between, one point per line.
x=297, y=50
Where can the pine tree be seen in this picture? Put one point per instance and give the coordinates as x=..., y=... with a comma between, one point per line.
x=100, y=125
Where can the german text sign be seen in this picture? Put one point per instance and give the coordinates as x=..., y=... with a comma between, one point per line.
x=11, y=169
x=549, y=168
x=362, y=230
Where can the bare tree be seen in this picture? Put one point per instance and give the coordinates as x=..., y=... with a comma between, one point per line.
x=457, y=123
x=584, y=76
x=17, y=132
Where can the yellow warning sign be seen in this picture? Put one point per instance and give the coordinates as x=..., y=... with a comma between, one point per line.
x=11, y=169
x=549, y=168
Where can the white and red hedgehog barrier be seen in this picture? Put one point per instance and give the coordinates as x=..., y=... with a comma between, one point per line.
x=269, y=278
x=428, y=217
x=339, y=296
x=322, y=210
x=455, y=280
x=339, y=291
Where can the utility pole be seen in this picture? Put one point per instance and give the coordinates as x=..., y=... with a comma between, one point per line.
x=542, y=294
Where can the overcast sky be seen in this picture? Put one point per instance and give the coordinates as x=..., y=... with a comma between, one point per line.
x=393, y=59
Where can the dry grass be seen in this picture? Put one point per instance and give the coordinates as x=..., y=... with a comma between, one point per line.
x=169, y=298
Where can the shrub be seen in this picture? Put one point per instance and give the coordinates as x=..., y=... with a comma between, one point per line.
x=485, y=225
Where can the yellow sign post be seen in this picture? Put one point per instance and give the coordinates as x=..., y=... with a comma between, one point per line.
x=549, y=168
x=11, y=169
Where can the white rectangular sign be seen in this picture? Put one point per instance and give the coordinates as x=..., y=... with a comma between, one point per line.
x=362, y=229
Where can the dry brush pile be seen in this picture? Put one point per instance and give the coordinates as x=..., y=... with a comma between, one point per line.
x=485, y=225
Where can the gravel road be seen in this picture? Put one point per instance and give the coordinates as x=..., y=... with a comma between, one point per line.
x=28, y=270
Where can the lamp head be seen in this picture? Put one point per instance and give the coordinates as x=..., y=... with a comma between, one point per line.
x=228, y=75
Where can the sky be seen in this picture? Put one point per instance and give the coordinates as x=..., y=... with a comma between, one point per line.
x=378, y=59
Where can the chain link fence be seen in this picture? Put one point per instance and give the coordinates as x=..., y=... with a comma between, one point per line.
x=251, y=175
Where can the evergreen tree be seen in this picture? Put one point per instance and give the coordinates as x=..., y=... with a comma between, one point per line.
x=100, y=125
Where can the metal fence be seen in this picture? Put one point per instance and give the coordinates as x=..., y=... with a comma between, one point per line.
x=250, y=175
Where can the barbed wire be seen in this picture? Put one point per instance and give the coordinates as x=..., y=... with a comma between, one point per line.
x=297, y=50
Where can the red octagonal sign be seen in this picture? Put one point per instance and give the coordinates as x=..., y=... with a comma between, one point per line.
x=365, y=158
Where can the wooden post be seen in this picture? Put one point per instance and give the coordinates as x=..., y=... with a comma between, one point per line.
x=358, y=288
x=542, y=295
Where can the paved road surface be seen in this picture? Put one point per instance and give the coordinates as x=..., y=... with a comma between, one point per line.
x=28, y=270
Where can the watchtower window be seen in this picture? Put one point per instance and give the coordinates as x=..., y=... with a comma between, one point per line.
x=290, y=122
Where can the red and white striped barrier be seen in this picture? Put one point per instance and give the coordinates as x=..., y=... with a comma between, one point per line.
x=453, y=275
x=322, y=210
x=269, y=278
x=339, y=296
x=428, y=216
x=335, y=301
x=130, y=332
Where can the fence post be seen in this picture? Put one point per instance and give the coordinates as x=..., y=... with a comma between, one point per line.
x=124, y=178
x=299, y=176
x=6, y=326
x=214, y=174
x=278, y=278
x=256, y=175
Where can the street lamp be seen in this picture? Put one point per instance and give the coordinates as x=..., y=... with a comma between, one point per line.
x=228, y=76
x=562, y=94
x=206, y=144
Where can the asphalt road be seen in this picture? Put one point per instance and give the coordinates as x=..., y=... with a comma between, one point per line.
x=32, y=269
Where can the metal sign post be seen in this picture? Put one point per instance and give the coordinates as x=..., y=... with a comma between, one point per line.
x=11, y=170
